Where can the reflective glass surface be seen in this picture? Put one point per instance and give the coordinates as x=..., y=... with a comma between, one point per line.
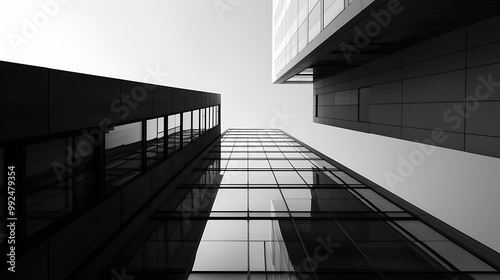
x=123, y=160
x=261, y=205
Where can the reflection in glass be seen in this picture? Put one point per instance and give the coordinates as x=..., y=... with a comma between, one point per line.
x=230, y=200
x=217, y=114
x=123, y=154
x=221, y=256
x=210, y=117
x=332, y=9
x=155, y=140
x=314, y=21
x=266, y=200
x=187, y=133
x=196, y=124
x=251, y=209
x=261, y=177
x=54, y=186
x=174, y=133
x=235, y=230
x=203, y=120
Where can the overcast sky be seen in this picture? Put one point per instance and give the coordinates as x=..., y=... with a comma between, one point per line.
x=194, y=45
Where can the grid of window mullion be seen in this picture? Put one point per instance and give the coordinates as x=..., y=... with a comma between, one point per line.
x=301, y=176
x=332, y=218
x=244, y=137
x=338, y=178
x=229, y=158
x=301, y=241
x=346, y=234
x=405, y=240
x=431, y=252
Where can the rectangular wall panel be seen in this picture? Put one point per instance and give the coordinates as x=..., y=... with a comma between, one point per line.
x=449, y=83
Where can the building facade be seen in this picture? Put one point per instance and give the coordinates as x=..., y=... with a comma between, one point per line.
x=81, y=156
x=414, y=70
x=110, y=179
x=260, y=204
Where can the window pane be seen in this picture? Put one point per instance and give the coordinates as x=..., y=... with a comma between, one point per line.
x=154, y=143
x=196, y=124
x=186, y=128
x=230, y=200
x=123, y=156
x=209, y=118
x=288, y=177
x=47, y=196
x=266, y=200
x=174, y=133
x=332, y=9
x=314, y=22
x=261, y=177
x=203, y=120
x=302, y=36
x=161, y=136
x=421, y=231
x=212, y=117
x=460, y=258
x=216, y=115
x=54, y=186
x=381, y=203
x=231, y=256
x=235, y=230
x=234, y=177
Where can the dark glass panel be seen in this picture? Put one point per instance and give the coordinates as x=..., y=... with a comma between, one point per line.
x=123, y=156
x=174, y=133
x=60, y=178
x=155, y=140
x=196, y=124
x=187, y=133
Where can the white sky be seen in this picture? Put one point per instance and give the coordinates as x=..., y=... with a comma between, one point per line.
x=230, y=54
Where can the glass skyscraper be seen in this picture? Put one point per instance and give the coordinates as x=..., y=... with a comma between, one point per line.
x=259, y=204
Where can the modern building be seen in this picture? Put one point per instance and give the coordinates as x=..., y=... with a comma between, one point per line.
x=259, y=204
x=425, y=71
x=117, y=179
x=81, y=156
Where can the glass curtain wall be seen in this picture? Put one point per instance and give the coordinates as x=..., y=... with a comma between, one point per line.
x=297, y=22
x=261, y=205
x=63, y=175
